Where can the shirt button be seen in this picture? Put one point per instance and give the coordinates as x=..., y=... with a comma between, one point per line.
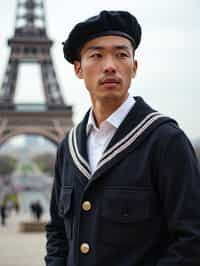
x=85, y=248
x=86, y=206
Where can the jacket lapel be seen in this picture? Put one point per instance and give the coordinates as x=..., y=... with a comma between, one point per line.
x=78, y=149
x=82, y=137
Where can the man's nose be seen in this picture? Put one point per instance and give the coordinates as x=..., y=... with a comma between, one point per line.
x=109, y=65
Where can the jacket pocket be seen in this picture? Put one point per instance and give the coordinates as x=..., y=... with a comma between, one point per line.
x=124, y=215
x=66, y=210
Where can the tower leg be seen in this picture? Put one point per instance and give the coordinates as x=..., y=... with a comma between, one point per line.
x=51, y=86
x=9, y=84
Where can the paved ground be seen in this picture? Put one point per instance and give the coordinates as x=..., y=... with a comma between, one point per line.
x=20, y=249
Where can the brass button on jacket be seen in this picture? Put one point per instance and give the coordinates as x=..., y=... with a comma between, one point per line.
x=86, y=206
x=84, y=248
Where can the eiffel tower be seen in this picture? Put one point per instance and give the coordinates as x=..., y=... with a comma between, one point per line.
x=31, y=44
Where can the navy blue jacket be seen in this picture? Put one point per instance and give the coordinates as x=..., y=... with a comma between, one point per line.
x=144, y=195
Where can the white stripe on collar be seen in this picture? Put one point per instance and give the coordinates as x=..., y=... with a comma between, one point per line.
x=133, y=131
x=126, y=143
x=119, y=147
x=77, y=158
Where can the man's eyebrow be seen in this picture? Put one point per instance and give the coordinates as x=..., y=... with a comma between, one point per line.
x=118, y=47
x=95, y=47
x=121, y=47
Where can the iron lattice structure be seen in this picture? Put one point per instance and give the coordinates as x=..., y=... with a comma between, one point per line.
x=31, y=44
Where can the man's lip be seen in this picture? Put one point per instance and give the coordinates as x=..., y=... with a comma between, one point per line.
x=110, y=81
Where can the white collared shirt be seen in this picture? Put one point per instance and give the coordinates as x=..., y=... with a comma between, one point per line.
x=98, y=138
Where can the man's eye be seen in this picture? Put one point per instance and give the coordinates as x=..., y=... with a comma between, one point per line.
x=122, y=55
x=96, y=55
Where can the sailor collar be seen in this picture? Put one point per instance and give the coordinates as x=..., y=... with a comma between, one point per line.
x=126, y=135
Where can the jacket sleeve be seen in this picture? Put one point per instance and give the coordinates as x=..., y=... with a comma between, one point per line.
x=57, y=245
x=179, y=188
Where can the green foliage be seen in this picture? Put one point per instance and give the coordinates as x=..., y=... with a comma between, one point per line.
x=26, y=168
x=13, y=197
x=7, y=165
x=46, y=163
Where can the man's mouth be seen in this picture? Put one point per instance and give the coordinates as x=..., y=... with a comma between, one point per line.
x=110, y=81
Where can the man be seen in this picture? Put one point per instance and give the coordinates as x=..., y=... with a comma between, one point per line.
x=126, y=188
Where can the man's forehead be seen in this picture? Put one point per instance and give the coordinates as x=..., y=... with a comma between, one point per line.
x=108, y=42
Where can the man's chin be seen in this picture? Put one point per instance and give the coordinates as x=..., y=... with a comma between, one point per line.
x=111, y=97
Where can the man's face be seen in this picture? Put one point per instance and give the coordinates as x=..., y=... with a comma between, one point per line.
x=107, y=66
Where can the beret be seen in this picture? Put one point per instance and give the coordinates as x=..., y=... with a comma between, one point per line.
x=120, y=23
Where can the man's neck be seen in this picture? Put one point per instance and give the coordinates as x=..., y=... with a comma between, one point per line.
x=102, y=110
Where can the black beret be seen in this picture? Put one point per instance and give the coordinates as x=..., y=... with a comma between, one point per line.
x=120, y=23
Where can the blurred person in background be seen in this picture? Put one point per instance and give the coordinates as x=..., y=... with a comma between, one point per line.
x=3, y=214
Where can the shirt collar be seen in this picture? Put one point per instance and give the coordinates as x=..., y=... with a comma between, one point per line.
x=91, y=122
x=116, y=118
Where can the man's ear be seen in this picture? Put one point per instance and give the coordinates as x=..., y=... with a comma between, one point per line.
x=77, y=69
x=135, y=66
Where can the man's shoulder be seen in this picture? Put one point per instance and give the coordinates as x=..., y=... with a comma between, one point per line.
x=62, y=145
x=170, y=134
x=169, y=129
x=165, y=126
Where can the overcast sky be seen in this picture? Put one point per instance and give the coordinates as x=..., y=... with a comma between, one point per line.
x=168, y=58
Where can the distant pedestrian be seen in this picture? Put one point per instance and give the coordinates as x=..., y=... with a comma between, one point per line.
x=3, y=214
x=38, y=210
x=32, y=208
x=17, y=207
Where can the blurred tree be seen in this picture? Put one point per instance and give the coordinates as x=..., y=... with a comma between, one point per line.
x=45, y=162
x=7, y=165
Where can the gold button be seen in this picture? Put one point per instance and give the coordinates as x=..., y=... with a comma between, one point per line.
x=85, y=248
x=87, y=206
